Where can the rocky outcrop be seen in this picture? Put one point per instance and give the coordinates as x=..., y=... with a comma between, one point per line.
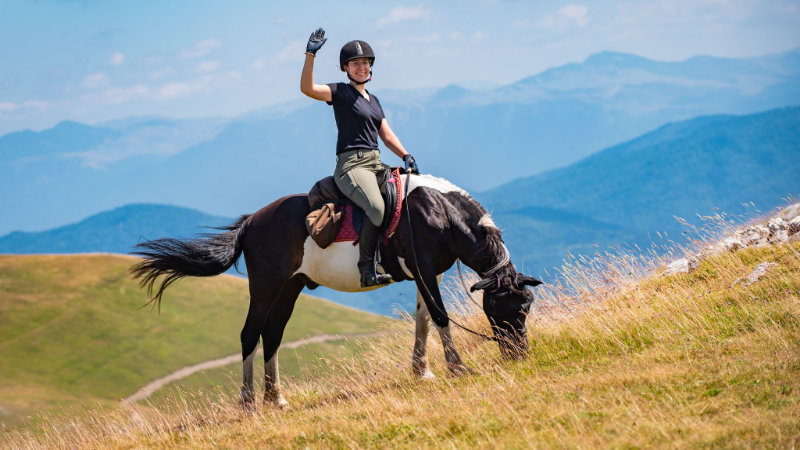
x=756, y=274
x=783, y=227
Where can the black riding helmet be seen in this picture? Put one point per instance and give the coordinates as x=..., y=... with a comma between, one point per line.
x=353, y=50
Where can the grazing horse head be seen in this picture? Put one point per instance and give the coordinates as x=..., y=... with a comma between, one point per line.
x=506, y=300
x=507, y=303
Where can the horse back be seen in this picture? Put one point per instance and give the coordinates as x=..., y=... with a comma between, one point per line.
x=275, y=235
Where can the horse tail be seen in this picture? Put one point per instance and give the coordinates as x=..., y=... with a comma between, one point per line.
x=208, y=255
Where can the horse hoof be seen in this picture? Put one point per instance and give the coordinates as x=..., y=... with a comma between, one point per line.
x=461, y=369
x=428, y=375
x=247, y=406
x=276, y=401
x=247, y=400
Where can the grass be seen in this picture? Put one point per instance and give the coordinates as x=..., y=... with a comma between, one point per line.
x=295, y=364
x=620, y=358
x=72, y=330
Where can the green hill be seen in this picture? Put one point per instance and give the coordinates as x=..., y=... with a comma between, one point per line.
x=73, y=330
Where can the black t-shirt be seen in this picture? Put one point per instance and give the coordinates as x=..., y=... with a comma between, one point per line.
x=357, y=119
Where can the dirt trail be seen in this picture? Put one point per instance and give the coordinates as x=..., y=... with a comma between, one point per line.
x=185, y=371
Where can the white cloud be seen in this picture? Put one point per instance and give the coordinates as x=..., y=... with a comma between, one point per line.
x=96, y=80
x=207, y=66
x=235, y=74
x=565, y=18
x=404, y=13
x=117, y=58
x=201, y=48
x=424, y=39
x=118, y=95
x=258, y=64
x=36, y=104
x=293, y=52
x=161, y=73
x=174, y=90
x=180, y=89
x=8, y=107
x=577, y=13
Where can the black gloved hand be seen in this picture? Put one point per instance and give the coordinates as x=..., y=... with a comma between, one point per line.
x=315, y=41
x=411, y=164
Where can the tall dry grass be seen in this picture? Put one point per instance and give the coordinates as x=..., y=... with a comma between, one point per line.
x=620, y=356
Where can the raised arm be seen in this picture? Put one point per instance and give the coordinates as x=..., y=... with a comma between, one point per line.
x=307, y=86
x=393, y=142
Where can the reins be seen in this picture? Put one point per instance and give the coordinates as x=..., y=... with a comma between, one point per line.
x=419, y=275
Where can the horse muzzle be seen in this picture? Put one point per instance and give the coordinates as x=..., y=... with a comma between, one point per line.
x=513, y=343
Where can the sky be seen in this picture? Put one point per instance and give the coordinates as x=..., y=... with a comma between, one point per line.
x=92, y=61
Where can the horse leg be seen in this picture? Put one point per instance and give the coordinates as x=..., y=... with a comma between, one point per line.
x=451, y=356
x=272, y=383
x=419, y=359
x=271, y=336
x=256, y=316
x=430, y=282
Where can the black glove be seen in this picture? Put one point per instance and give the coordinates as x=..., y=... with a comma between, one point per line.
x=411, y=164
x=315, y=41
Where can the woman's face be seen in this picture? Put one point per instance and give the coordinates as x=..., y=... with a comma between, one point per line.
x=358, y=69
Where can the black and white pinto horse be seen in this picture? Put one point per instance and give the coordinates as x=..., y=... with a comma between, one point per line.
x=440, y=224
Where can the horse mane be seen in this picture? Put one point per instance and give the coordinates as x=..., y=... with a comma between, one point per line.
x=493, y=243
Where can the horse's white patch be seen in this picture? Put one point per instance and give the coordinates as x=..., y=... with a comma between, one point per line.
x=440, y=184
x=334, y=267
x=405, y=268
x=247, y=370
x=487, y=222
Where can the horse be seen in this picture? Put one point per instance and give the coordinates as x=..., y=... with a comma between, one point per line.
x=441, y=223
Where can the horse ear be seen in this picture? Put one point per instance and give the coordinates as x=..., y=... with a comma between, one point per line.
x=483, y=284
x=529, y=281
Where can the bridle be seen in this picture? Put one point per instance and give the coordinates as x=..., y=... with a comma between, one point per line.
x=490, y=272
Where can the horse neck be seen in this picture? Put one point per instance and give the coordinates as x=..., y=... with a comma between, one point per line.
x=478, y=246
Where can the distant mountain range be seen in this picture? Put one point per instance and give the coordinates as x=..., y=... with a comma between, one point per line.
x=115, y=231
x=623, y=194
x=629, y=192
x=479, y=139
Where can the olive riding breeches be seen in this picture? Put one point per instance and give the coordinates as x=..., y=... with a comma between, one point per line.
x=356, y=177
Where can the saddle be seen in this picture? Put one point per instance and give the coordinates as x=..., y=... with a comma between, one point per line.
x=335, y=218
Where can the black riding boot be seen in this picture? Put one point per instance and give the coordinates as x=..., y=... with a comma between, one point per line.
x=368, y=243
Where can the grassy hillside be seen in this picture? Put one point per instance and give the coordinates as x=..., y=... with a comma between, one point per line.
x=636, y=361
x=73, y=330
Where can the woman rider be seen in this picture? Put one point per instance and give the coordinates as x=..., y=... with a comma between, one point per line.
x=359, y=120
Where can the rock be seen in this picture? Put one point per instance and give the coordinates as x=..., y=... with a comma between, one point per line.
x=779, y=237
x=732, y=243
x=775, y=225
x=793, y=227
x=755, y=236
x=679, y=266
x=759, y=272
x=712, y=250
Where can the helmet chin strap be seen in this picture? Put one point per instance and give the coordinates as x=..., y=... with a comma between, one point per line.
x=360, y=82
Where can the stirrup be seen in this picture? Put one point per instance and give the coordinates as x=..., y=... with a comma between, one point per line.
x=370, y=277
